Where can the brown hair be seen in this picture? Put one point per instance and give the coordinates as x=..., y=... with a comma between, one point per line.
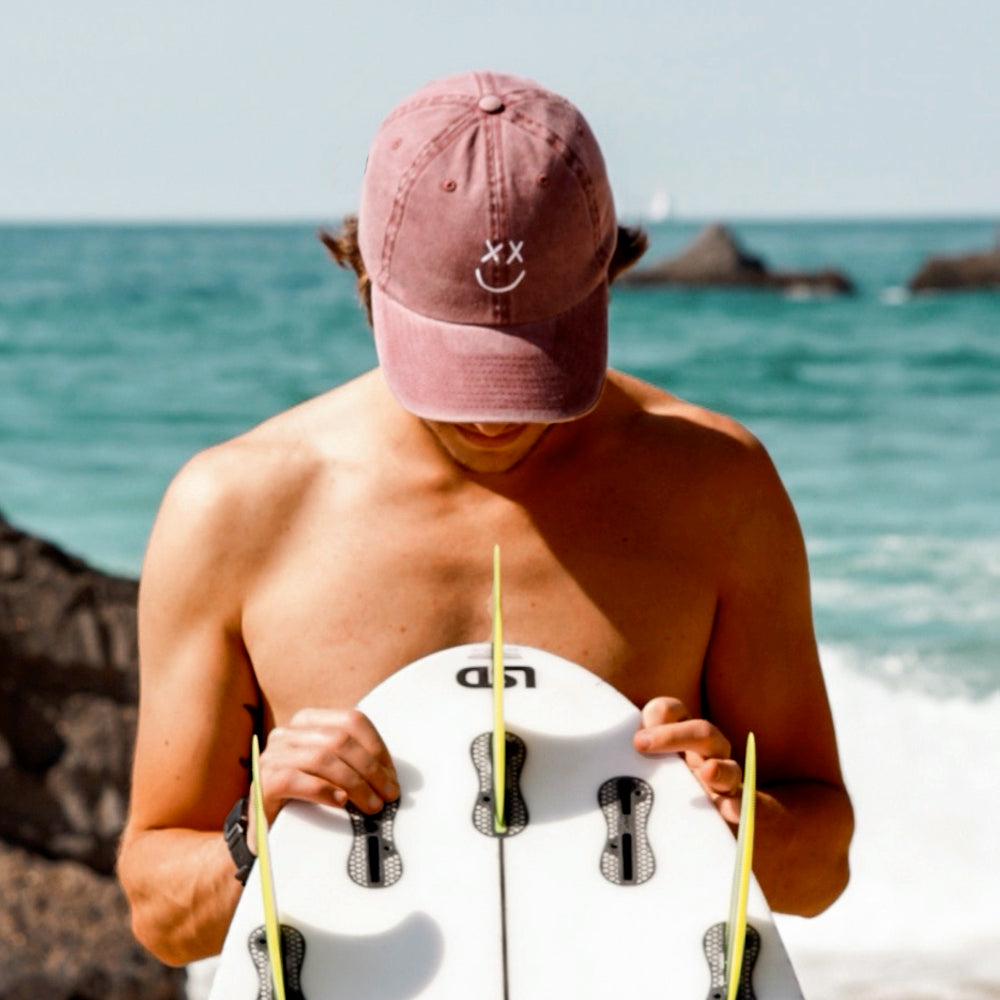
x=343, y=248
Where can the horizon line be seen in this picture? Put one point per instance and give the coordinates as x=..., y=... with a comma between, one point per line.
x=820, y=215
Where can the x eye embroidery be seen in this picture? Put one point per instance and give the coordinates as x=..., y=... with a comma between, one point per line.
x=492, y=255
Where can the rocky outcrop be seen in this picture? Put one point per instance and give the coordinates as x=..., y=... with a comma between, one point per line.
x=64, y=936
x=68, y=691
x=962, y=273
x=715, y=259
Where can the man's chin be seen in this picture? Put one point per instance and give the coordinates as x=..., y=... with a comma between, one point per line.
x=497, y=451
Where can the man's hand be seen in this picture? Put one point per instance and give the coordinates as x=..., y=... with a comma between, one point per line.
x=329, y=757
x=667, y=727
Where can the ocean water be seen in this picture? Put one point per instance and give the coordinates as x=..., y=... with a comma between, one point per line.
x=125, y=349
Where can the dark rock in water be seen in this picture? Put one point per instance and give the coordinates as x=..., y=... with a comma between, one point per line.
x=962, y=273
x=715, y=259
x=68, y=691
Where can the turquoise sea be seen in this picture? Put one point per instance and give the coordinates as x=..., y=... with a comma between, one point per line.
x=125, y=349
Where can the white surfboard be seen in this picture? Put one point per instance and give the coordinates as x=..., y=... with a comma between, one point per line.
x=613, y=875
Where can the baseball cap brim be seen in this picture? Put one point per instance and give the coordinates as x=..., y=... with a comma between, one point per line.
x=543, y=372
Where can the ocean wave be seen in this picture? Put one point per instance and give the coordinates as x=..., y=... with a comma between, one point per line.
x=920, y=907
x=894, y=295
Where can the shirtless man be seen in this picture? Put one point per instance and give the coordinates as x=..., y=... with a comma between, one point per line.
x=293, y=568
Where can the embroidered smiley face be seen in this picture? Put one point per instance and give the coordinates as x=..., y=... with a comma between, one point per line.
x=492, y=254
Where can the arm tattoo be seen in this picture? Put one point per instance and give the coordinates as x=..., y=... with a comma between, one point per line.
x=256, y=713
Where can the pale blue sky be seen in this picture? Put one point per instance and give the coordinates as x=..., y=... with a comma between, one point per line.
x=217, y=109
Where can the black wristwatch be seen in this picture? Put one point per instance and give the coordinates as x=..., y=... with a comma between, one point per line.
x=235, y=832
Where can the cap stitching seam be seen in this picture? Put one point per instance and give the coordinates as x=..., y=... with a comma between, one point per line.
x=576, y=166
x=498, y=205
x=435, y=145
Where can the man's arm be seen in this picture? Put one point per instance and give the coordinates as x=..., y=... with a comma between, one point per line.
x=762, y=674
x=198, y=703
x=196, y=709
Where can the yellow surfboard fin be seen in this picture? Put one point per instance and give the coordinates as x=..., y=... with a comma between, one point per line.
x=271, y=927
x=499, y=728
x=736, y=927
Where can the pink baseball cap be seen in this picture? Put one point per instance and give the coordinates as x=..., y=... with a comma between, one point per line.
x=486, y=225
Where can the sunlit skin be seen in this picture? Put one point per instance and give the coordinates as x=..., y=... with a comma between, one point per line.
x=487, y=447
x=294, y=568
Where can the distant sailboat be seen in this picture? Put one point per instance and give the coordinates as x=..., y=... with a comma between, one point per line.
x=661, y=206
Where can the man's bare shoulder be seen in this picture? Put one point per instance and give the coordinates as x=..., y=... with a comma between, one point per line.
x=707, y=466
x=710, y=463
x=248, y=484
x=655, y=419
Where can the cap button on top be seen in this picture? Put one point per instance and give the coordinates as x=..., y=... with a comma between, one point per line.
x=490, y=103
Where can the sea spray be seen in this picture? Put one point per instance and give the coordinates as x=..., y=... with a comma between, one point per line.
x=925, y=878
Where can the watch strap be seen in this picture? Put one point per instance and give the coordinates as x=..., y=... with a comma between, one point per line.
x=234, y=830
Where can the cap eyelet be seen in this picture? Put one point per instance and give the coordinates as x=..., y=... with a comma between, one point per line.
x=543, y=180
x=449, y=185
x=491, y=104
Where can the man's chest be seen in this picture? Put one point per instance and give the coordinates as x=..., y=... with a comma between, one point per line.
x=331, y=619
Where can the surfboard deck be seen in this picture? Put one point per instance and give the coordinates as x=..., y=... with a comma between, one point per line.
x=614, y=873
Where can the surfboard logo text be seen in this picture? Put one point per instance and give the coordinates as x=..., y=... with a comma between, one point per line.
x=479, y=677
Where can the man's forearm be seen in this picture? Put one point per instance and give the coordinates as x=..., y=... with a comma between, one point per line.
x=803, y=831
x=182, y=892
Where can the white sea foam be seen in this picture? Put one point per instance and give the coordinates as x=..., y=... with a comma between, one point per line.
x=919, y=917
x=894, y=295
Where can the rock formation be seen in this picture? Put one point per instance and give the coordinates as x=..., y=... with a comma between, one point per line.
x=68, y=689
x=715, y=259
x=961, y=273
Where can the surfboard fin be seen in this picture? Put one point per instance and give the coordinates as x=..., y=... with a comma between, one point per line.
x=499, y=727
x=271, y=927
x=736, y=926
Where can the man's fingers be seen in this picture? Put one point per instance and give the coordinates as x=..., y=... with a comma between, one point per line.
x=690, y=735
x=336, y=786
x=729, y=808
x=723, y=777
x=667, y=727
x=663, y=710
x=328, y=757
x=339, y=756
x=354, y=722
